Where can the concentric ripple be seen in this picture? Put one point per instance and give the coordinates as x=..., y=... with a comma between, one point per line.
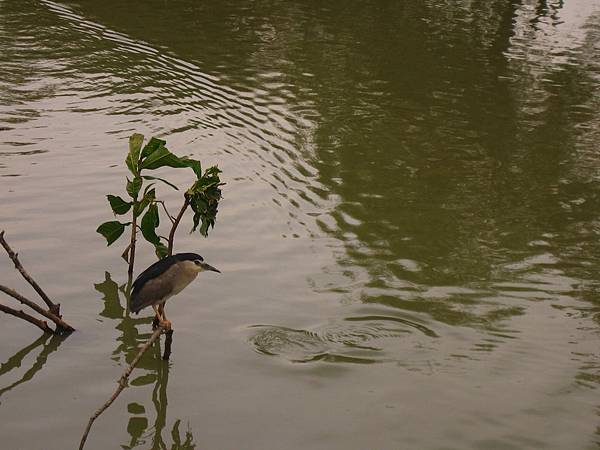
x=358, y=339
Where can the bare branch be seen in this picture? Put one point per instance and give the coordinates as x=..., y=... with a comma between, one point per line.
x=41, y=324
x=122, y=383
x=171, y=218
x=132, y=246
x=54, y=308
x=186, y=202
x=60, y=324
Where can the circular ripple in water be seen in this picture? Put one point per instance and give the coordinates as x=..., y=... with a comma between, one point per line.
x=365, y=339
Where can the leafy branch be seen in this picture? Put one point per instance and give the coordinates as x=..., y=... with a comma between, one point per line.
x=203, y=197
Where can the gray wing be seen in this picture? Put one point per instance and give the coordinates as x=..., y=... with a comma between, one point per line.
x=153, y=291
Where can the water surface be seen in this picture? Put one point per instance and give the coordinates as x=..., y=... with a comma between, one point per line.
x=408, y=238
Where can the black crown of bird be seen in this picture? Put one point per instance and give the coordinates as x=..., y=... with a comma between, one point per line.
x=164, y=279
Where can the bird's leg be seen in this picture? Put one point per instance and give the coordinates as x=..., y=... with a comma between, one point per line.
x=156, y=320
x=163, y=318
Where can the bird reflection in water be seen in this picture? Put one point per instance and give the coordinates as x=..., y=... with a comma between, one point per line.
x=153, y=369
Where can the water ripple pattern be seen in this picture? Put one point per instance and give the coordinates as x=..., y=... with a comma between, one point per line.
x=409, y=235
x=357, y=339
x=255, y=125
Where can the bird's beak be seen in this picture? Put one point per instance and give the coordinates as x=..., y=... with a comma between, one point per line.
x=211, y=268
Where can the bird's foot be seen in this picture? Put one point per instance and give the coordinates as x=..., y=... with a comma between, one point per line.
x=155, y=322
x=166, y=324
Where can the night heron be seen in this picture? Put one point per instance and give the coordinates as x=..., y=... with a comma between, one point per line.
x=164, y=279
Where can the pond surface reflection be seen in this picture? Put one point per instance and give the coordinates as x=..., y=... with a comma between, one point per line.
x=155, y=373
x=408, y=236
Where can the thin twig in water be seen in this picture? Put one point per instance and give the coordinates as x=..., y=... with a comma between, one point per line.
x=54, y=308
x=61, y=325
x=122, y=382
x=42, y=324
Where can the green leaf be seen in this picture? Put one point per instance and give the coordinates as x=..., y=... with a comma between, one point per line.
x=161, y=250
x=139, y=207
x=205, y=209
x=162, y=157
x=194, y=165
x=149, y=223
x=118, y=205
x=204, y=228
x=134, y=186
x=112, y=230
x=212, y=172
x=150, y=177
x=147, y=188
x=159, y=158
x=200, y=204
x=152, y=145
x=204, y=196
x=133, y=157
x=206, y=181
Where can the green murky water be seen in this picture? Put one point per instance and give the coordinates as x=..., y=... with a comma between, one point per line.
x=409, y=235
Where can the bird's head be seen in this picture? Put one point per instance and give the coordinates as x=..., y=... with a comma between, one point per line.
x=195, y=262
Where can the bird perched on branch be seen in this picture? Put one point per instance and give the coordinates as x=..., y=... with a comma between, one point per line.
x=164, y=279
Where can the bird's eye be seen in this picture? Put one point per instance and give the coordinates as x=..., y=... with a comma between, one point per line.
x=197, y=262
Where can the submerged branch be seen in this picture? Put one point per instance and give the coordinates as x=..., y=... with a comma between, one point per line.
x=168, y=342
x=61, y=325
x=122, y=383
x=41, y=324
x=54, y=308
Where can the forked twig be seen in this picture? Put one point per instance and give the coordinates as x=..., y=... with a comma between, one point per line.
x=60, y=324
x=171, y=218
x=54, y=308
x=42, y=324
x=53, y=312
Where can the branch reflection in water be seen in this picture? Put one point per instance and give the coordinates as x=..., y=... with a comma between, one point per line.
x=49, y=344
x=156, y=372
